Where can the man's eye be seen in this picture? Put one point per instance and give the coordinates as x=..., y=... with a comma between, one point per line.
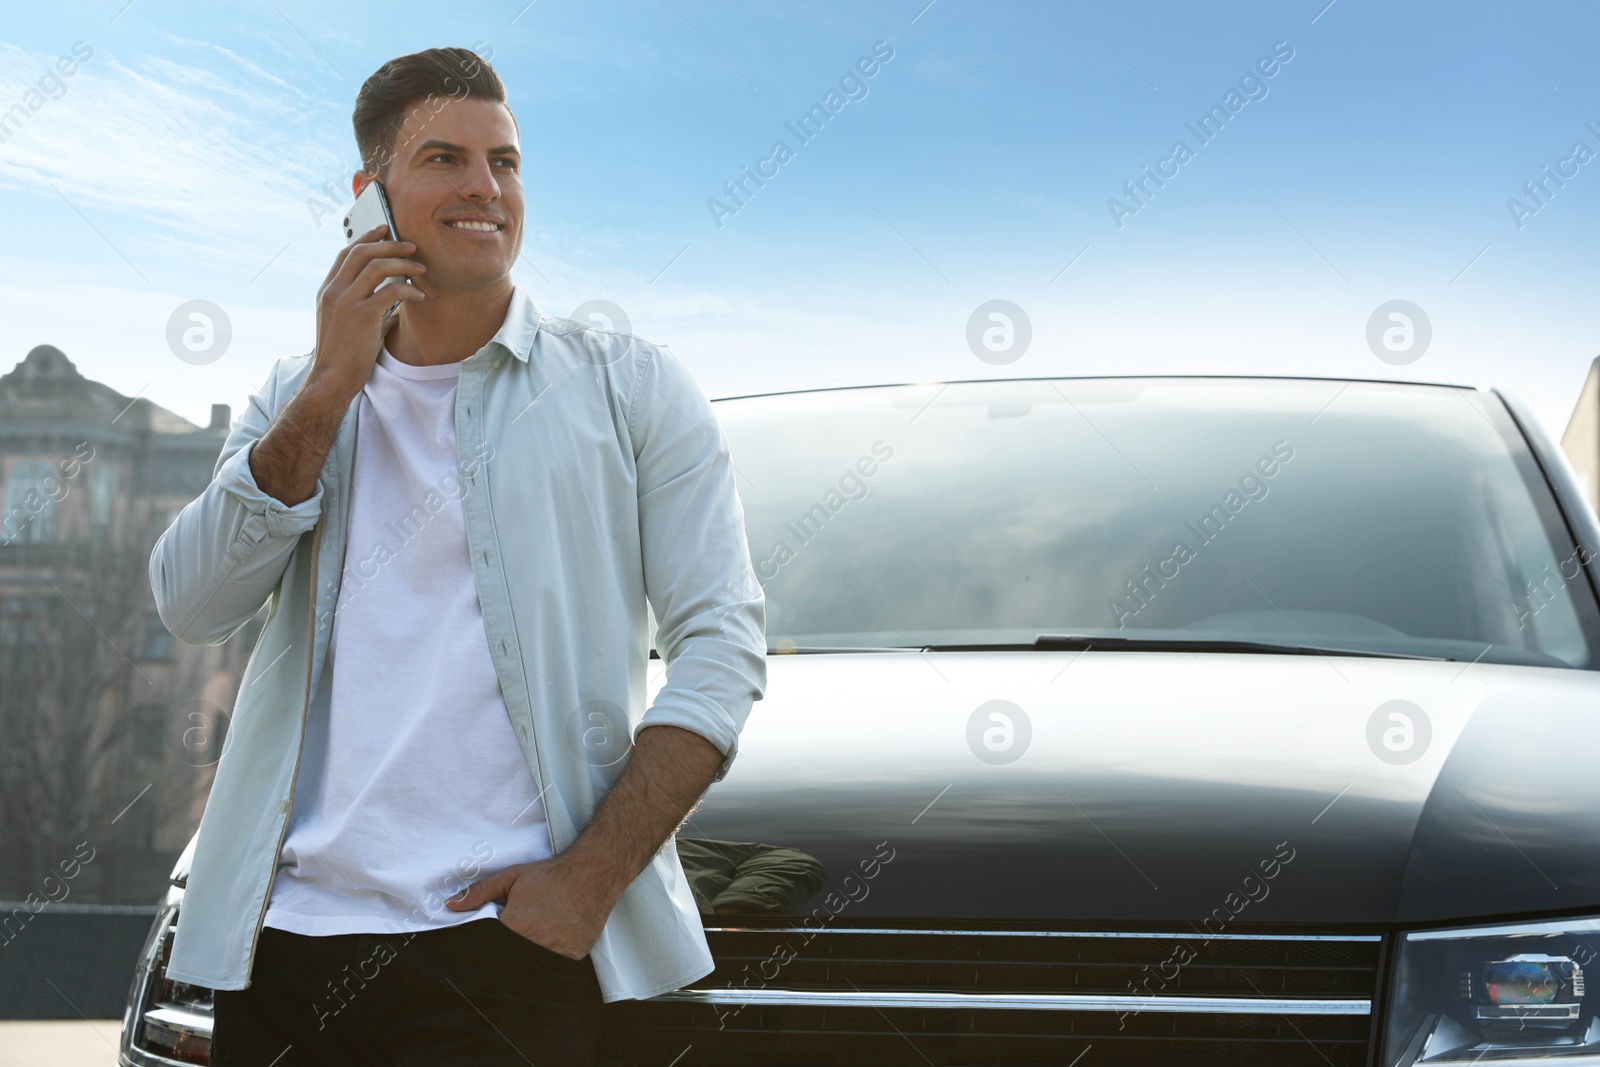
x=441, y=155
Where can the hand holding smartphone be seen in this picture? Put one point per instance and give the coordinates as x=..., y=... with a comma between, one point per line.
x=372, y=209
x=354, y=312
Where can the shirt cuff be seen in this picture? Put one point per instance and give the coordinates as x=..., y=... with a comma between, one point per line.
x=700, y=715
x=282, y=520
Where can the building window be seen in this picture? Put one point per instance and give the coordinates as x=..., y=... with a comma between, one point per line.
x=102, y=494
x=149, y=731
x=19, y=666
x=19, y=636
x=30, y=506
x=157, y=643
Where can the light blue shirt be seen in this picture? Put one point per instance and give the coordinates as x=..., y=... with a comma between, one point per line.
x=597, y=485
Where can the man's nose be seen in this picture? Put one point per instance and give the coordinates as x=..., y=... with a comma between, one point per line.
x=480, y=184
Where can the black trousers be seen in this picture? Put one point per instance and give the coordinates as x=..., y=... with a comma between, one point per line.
x=476, y=993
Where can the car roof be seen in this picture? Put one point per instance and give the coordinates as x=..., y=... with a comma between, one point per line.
x=1098, y=377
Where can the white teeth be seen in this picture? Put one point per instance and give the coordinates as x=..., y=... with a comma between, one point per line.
x=487, y=227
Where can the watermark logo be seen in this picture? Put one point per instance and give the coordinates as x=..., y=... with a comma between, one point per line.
x=199, y=332
x=999, y=732
x=204, y=737
x=599, y=733
x=1399, y=732
x=1399, y=332
x=999, y=332
x=599, y=350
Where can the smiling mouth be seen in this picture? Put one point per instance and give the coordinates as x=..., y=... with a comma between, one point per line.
x=475, y=227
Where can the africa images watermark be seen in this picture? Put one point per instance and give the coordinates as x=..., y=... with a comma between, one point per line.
x=1541, y=190
x=1254, y=888
x=50, y=490
x=1252, y=86
x=833, y=903
x=1212, y=523
x=407, y=527
x=52, y=85
x=55, y=890
x=852, y=87
x=852, y=485
x=1540, y=594
x=342, y=990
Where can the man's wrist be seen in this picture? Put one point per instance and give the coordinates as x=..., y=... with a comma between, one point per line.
x=601, y=873
x=654, y=795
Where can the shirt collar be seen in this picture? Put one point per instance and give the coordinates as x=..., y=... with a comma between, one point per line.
x=521, y=325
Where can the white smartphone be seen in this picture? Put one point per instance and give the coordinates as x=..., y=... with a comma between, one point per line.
x=371, y=209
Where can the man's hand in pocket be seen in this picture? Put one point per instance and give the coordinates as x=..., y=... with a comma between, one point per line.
x=556, y=903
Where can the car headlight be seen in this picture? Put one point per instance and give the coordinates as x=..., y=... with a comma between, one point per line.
x=168, y=1022
x=1496, y=995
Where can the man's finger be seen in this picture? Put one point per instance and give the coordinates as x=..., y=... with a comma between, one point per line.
x=344, y=253
x=481, y=892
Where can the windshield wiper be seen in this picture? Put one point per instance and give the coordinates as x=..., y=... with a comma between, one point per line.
x=807, y=650
x=1080, y=642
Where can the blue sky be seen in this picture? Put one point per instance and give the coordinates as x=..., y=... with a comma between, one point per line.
x=187, y=159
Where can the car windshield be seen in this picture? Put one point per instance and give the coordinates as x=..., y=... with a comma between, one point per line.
x=1379, y=518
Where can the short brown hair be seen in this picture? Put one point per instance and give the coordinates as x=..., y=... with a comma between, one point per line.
x=384, y=105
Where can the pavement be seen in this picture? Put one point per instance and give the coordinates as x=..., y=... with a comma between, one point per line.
x=52, y=1043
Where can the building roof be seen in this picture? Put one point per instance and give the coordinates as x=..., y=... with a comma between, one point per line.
x=47, y=388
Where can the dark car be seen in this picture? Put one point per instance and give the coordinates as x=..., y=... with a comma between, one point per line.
x=1162, y=720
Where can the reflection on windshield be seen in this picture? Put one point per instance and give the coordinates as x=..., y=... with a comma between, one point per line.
x=1390, y=518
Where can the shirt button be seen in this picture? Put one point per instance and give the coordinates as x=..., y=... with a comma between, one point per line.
x=283, y=805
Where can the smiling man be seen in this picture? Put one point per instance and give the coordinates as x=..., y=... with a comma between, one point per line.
x=442, y=827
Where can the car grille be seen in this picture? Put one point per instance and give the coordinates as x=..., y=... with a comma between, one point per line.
x=793, y=995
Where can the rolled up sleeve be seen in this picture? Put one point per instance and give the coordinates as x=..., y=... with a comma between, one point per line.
x=710, y=610
x=226, y=551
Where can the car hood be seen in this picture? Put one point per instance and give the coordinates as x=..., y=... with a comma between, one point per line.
x=1163, y=786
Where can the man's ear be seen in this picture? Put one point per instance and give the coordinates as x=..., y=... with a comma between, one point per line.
x=360, y=180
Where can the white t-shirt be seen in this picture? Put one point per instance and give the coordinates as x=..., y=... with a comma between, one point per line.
x=412, y=784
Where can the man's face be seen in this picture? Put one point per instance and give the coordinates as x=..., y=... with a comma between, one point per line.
x=456, y=161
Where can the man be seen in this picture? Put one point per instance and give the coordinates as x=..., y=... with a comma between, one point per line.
x=459, y=512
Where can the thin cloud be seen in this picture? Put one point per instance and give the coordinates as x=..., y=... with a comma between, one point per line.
x=204, y=159
x=242, y=62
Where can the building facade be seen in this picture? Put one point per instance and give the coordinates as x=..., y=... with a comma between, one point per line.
x=1581, y=440
x=109, y=726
